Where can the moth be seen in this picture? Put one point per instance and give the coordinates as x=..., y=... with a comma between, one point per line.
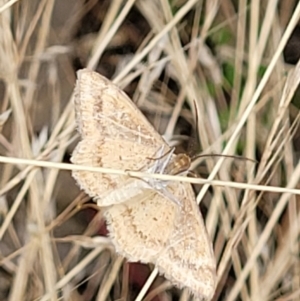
x=149, y=221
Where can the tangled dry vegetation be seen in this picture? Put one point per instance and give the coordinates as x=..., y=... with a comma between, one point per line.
x=219, y=64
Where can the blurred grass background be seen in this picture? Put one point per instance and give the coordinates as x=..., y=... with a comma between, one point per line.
x=236, y=60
